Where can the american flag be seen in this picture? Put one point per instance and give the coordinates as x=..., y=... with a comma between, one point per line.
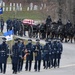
x=28, y=21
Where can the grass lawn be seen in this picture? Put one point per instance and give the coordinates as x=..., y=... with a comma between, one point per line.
x=35, y=15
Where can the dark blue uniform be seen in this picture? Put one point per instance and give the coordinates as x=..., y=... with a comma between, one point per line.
x=59, y=52
x=37, y=50
x=54, y=53
x=15, y=57
x=29, y=56
x=3, y=56
x=50, y=54
x=46, y=56
x=21, y=56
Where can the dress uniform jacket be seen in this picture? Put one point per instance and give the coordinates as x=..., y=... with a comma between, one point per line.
x=30, y=49
x=15, y=53
x=38, y=51
x=46, y=52
x=3, y=53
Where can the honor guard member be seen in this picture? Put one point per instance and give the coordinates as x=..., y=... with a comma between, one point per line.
x=50, y=52
x=21, y=54
x=37, y=51
x=59, y=52
x=15, y=57
x=29, y=55
x=3, y=55
x=46, y=55
x=23, y=47
x=54, y=52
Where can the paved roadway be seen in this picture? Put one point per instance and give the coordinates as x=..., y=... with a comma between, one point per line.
x=67, y=66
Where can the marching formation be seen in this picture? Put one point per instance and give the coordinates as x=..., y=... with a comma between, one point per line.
x=49, y=54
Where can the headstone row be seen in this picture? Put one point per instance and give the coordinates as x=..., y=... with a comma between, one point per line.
x=11, y=7
x=36, y=7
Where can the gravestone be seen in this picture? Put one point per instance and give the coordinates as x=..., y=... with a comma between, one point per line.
x=3, y=8
x=3, y=4
x=21, y=9
x=10, y=4
x=27, y=8
x=20, y=5
x=35, y=7
x=13, y=8
x=17, y=7
x=10, y=9
x=41, y=4
x=6, y=8
x=0, y=4
x=13, y=4
x=40, y=8
x=44, y=5
x=31, y=6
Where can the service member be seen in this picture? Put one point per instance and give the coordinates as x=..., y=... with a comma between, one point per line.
x=29, y=55
x=37, y=51
x=15, y=57
x=3, y=55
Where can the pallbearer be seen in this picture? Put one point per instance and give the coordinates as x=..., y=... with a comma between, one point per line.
x=37, y=51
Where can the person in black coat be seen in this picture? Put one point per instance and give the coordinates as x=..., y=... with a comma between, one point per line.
x=15, y=57
x=37, y=51
x=21, y=54
x=59, y=52
x=54, y=52
x=29, y=55
x=46, y=55
x=3, y=56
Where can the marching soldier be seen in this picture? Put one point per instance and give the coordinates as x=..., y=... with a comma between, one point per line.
x=59, y=52
x=29, y=55
x=3, y=56
x=46, y=55
x=50, y=53
x=37, y=51
x=54, y=53
x=21, y=54
x=15, y=57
